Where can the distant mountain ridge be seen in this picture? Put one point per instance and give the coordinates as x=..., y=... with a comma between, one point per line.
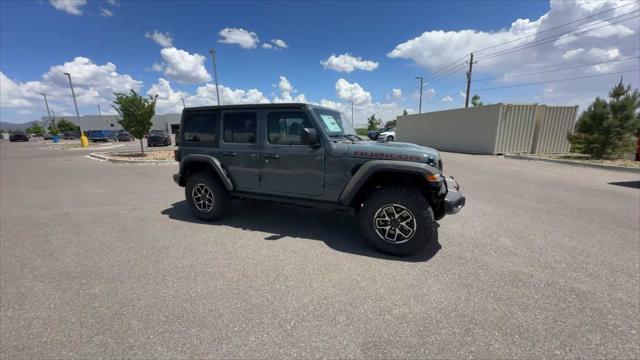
x=12, y=126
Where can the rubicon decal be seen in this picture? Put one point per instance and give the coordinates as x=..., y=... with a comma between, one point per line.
x=380, y=155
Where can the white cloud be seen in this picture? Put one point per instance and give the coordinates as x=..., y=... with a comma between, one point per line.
x=571, y=53
x=284, y=84
x=93, y=84
x=106, y=12
x=347, y=63
x=396, y=93
x=114, y=2
x=280, y=43
x=599, y=31
x=169, y=100
x=243, y=38
x=447, y=99
x=157, y=67
x=183, y=66
x=286, y=89
x=163, y=39
x=436, y=49
x=73, y=7
x=276, y=44
x=15, y=94
x=352, y=92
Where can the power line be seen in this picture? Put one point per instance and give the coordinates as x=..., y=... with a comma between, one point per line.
x=554, y=70
x=458, y=64
x=553, y=38
x=557, y=80
x=555, y=27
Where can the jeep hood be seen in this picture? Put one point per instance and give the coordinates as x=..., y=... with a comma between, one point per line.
x=394, y=151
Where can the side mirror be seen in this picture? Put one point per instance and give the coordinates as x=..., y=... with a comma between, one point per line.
x=309, y=136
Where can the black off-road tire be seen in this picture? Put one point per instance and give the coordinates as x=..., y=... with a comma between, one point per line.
x=390, y=138
x=425, y=224
x=220, y=196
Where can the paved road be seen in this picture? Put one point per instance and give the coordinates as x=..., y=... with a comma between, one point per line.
x=104, y=260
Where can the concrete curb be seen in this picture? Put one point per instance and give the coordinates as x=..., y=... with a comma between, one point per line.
x=574, y=163
x=107, y=156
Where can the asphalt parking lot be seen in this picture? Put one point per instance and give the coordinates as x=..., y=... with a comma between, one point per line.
x=105, y=260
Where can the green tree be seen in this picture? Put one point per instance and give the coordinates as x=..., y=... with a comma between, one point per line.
x=390, y=124
x=372, y=122
x=53, y=128
x=404, y=112
x=135, y=113
x=35, y=128
x=475, y=100
x=606, y=129
x=65, y=125
x=361, y=131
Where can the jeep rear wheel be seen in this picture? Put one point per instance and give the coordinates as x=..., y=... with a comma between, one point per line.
x=397, y=220
x=207, y=197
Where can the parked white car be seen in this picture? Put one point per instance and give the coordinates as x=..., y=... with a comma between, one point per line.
x=388, y=135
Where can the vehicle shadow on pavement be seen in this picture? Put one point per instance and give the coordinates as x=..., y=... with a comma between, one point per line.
x=629, y=184
x=338, y=230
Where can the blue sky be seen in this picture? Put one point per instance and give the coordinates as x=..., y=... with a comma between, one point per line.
x=40, y=39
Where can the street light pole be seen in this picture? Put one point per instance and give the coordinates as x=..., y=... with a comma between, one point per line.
x=215, y=72
x=100, y=113
x=183, y=104
x=46, y=103
x=352, y=113
x=83, y=139
x=420, y=106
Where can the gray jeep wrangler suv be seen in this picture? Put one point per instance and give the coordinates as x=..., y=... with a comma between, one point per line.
x=309, y=155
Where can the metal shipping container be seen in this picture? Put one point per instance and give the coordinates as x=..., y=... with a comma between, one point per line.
x=552, y=128
x=489, y=129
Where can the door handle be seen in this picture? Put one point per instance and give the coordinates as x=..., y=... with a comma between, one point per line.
x=229, y=153
x=271, y=156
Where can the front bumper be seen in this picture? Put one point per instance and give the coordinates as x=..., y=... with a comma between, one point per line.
x=454, y=201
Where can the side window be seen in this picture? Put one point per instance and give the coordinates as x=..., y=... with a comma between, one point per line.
x=284, y=128
x=201, y=127
x=240, y=127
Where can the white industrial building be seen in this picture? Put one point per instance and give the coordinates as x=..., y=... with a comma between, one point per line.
x=167, y=122
x=492, y=129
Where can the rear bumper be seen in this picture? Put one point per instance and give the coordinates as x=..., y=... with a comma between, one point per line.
x=454, y=201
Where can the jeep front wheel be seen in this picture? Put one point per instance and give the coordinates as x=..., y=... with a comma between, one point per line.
x=207, y=197
x=397, y=221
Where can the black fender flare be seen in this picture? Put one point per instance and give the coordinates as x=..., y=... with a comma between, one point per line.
x=211, y=161
x=370, y=168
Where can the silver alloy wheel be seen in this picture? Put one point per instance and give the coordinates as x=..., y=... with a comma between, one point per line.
x=202, y=197
x=394, y=223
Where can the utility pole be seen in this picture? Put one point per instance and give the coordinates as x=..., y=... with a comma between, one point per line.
x=46, y=103
x=83, y=139
x=215, y=72
x=420, y=105
x=352, y=112
x=100, y=113
x=183, y=105
x=466, y=100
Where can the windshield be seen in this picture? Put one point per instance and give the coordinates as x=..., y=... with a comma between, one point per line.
x=334, y=123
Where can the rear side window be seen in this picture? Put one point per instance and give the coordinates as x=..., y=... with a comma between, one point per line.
x=284, y=128
x=201, y=127
x=240, y=127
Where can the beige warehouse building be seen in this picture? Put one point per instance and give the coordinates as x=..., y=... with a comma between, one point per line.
x=492, y=129
x=167, y=122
